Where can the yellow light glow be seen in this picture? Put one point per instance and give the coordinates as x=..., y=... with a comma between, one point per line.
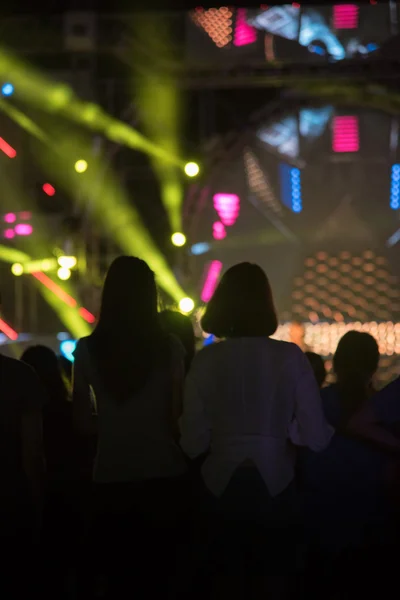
x=67, y=262
x=178, y=239
x=81, y=166
x=192, y=169
x=186, y=305
x=17, y=269
x=63, y=273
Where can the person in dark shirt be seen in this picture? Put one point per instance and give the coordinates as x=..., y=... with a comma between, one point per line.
x=22, y=471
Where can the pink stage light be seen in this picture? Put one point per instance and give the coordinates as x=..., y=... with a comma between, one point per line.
x=25, y=216
x=345, y=134
x=214, y=271
x=23, y=229
x=227, y=207
x=9, y=234
x=345, y=16
x=49, y=189
x=10, y=218
x=7, y=149
x=244, y=33
x=85, y=314
x=219, y=232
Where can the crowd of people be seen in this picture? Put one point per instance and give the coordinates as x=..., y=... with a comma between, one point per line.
x=233, y=472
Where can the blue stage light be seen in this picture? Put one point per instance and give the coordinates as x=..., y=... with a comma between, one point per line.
x=67, y=349
x=291, y=187
x=395, y=187
x=7, y=89
x=200, y=248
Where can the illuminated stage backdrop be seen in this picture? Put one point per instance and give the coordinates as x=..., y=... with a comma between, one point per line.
x=293, y=32
x=312, y=196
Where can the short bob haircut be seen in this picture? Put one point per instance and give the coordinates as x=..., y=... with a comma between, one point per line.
x=242, y=305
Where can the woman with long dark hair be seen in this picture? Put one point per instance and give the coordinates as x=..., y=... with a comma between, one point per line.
x=248, y=395
x=135, y=371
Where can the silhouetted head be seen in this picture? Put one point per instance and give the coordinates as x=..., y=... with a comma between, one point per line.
x=181, y=327
x=356, y=356
x=355, y=362
x=318, y=366
x=242, y=305
x=129, y=297
x=128, y=340
x=45, y=363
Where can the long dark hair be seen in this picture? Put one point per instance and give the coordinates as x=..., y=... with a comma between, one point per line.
x=128, y=342
x=242, y=305
x=355, y=362
x=45, y=362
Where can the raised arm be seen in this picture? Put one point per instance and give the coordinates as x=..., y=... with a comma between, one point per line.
x=309, y=426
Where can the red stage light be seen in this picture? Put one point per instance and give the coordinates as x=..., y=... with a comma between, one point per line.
x=85, y=314
x=8, y=331
x=48, y=189
x=7, y=149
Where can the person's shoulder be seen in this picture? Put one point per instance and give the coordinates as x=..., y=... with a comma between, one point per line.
x=17, y=368
x=287, y=349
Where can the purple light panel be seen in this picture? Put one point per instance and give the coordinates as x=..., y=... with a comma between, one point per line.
x=9, y=234
x=244, y=33
x=214, y=271
x=219, y=232
x=23, y=229
x=345, y=16
x=345, y=134
x=227, y=207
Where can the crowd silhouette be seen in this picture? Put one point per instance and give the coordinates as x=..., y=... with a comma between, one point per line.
x=233, y=472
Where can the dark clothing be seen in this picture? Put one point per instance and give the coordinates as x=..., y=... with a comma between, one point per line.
x=246, y=535
x=138, y=536
x=20, y=393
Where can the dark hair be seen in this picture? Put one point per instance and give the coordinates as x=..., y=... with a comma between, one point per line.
x=318, y=366
x=128, y=341
x=181, y=327
x=242, y=305
x=355, y=361
x=45, y=362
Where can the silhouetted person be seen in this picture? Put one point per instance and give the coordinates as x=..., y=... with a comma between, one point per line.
x=136, y=371
x=354, y=363
x=318, y=366
x=60, y=522
x=345, y=484
x=22, y=471
x=242, y=398
x=181, y=327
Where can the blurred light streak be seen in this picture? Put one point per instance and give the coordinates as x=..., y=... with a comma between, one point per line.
x=213, y=273
x=56, y=289
x=158, y=99
x=8, y=331
x=45, y=94
x=7, y=149
x=85, y=314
